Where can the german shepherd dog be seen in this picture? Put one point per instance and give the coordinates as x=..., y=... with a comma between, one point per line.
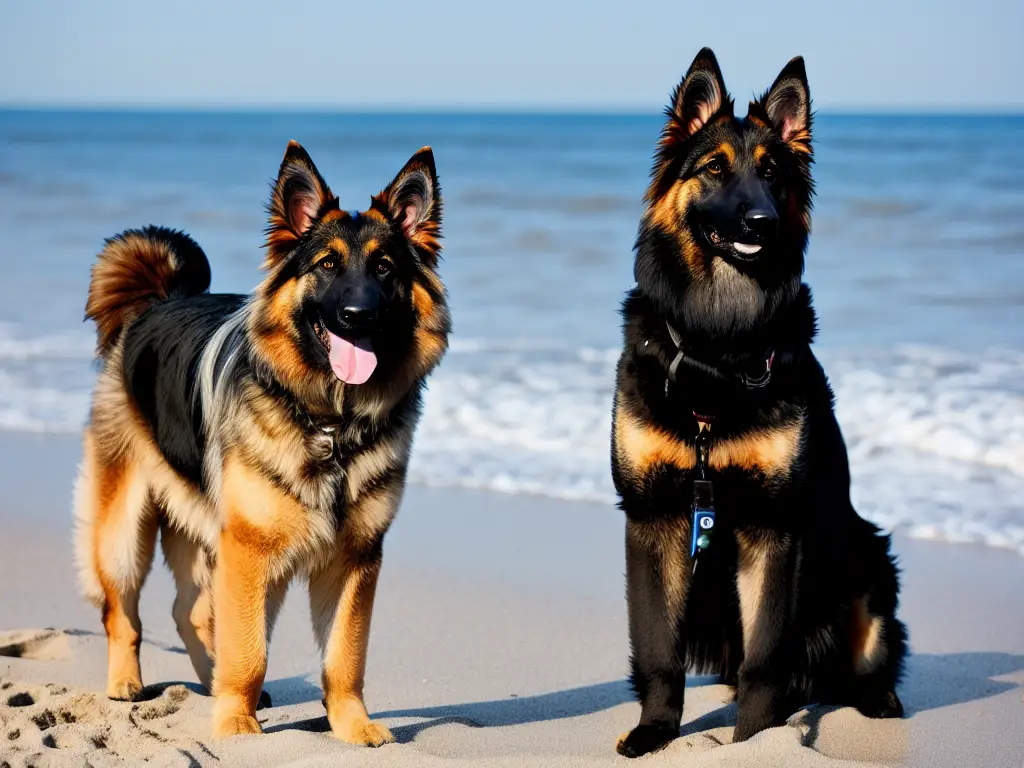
x=264, y=436
x=723, y=415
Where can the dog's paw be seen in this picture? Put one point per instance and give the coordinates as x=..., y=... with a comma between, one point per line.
x=644, y=739
x=127, y=689
x=234, y=725
x=368, y=734
x=886, y=705
x=748, y=727
x=350, y=722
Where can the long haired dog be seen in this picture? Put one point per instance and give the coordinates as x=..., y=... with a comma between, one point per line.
x=744, y=554
x=264, y=436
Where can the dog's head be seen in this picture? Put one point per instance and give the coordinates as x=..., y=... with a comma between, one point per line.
x=728, y=207
x=352, y=297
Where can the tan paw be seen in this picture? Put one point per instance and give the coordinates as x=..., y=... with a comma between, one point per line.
x=369, y=734
x=128, y=689
x=234, y=725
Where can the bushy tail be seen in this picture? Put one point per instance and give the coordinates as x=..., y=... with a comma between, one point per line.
x=136, y=269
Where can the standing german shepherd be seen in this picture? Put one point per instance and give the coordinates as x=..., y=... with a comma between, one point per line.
x=263, y=436
x=795, y=595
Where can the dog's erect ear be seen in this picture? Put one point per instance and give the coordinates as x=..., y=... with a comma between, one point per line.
x=300, y=194
x=787, y=104
x=700, y=95
x=413, y=201
x=695, y=102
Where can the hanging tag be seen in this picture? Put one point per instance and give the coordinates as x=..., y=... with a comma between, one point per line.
x=703, y=517
x=703, y=494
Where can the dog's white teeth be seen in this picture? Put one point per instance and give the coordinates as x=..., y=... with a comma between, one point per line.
x=746, y=249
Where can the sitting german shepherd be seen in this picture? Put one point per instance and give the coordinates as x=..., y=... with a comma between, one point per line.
x=744, y=554
x=264, y=436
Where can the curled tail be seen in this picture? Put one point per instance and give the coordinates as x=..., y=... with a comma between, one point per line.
x=136, y=269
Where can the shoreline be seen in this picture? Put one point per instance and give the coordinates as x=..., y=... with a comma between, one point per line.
x=61, y=451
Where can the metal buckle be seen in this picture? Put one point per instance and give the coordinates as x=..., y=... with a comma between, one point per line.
x=764, y=378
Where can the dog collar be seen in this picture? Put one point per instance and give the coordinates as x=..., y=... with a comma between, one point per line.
x=750, y=382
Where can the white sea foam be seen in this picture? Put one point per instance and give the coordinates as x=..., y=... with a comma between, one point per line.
x=44, y=381
x=935, y=437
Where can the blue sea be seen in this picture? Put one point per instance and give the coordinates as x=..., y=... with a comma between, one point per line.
x=916, y=264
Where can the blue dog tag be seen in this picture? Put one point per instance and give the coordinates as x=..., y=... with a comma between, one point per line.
x=703, y=525
x=703, y=517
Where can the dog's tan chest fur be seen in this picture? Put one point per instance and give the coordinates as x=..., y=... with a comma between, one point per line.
x=642, y=446
x=323, y=471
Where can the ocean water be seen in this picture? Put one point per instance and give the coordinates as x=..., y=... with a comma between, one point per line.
x=916, y=263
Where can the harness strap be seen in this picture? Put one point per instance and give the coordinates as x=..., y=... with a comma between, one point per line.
x=756, y=382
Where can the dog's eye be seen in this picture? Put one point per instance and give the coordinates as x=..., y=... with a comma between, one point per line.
x=383, y=268
x=768, y=173
x=714, y=167
x=326, y=265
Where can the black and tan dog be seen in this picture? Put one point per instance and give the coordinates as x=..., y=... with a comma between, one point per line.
x=264, y=436
x=795, y=595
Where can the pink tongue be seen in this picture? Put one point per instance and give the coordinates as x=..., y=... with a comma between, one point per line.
x=352, y=362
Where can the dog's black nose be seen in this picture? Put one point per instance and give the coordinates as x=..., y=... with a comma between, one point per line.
x=358, y=318
x=761, y=222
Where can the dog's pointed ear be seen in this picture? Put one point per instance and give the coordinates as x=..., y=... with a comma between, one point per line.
x=298, y=198
x=787, y=104
x=413, y=201
x=698, y=99
x=700, y=95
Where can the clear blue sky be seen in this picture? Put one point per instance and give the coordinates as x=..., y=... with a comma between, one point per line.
x=884, y=55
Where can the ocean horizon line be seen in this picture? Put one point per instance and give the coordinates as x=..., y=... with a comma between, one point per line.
x=478, y=110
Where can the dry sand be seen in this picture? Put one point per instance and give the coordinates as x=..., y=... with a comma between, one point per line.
x=499, y=639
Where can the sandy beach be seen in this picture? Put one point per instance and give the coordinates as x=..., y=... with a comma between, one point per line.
x=499, y=639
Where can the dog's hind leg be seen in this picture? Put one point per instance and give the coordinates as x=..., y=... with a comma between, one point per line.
x=193, y=603
x=116, y=527
x=879, y=646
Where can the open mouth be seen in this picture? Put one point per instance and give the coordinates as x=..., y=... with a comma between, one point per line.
x=321, y=332
x=736, y=247
x=353, y=361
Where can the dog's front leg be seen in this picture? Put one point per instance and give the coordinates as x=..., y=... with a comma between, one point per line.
x=656, y=578
x=765, y=586
x=240, y=594
x=260, y=526
x=341, y=602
